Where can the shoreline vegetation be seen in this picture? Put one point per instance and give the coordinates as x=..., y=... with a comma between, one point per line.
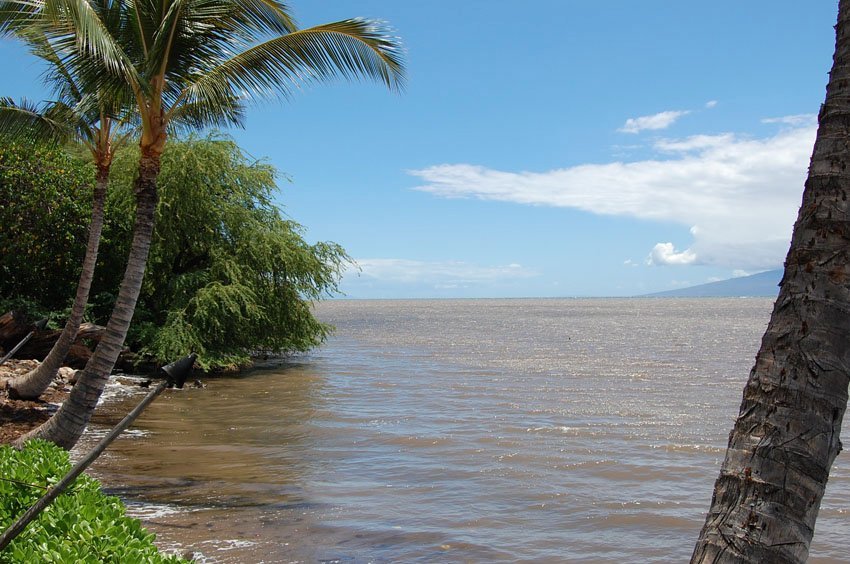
x=229, y=274
x=192, y=253
x=229, y=277
x=84, y=518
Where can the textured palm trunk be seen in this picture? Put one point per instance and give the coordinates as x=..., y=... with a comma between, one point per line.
x=32, y=384
x=68, y=423
x=786, y=436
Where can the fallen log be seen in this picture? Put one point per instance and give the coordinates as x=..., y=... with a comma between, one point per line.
x=13, y=327
x=87, y=337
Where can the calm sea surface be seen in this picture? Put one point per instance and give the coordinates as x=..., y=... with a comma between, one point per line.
x=460, y=431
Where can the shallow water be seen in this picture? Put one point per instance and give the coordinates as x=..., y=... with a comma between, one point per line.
x=460, y=430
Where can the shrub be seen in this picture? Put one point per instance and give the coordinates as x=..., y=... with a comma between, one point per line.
x=45, y=204
x=228, y=275
x=81, y=525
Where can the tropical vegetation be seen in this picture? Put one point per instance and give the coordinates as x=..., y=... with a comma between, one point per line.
x=192, y=62
x=91, y=118
x=229, y=276
x=81, y=525
x=45, y=202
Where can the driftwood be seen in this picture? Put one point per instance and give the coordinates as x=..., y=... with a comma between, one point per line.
x=80, y=351
x=14, y=327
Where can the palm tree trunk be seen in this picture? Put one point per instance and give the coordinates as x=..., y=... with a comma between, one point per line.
x=786, y=437
x=68, y=423
x=32, y=384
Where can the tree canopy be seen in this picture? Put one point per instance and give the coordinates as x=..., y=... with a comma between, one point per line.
x=45, y=202
x=229, y=275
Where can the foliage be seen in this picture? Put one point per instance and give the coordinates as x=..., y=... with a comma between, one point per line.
x=81, y=525
x=45, y=202
x=227, y=275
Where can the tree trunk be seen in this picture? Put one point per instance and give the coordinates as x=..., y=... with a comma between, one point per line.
x=32, y=384
x=786, y=437
x=68, y=423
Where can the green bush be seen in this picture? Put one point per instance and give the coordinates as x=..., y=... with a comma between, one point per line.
x=227, y=274
x=81, y=525
x=45, y=205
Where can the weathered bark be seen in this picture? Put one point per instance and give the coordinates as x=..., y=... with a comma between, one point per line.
x=68, y=423
x=13, y=328
x=40, y=345
x=786, y=437
x=33, y=384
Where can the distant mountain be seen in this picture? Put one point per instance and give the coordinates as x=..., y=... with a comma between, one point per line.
x=758, y=285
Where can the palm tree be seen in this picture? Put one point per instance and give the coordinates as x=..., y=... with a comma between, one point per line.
x=193, y=60
x=89, y=120
x=786, y=437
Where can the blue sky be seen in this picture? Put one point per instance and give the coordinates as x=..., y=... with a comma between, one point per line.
x=551, y=148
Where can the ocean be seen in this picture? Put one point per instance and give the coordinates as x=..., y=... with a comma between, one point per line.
x=557, y=430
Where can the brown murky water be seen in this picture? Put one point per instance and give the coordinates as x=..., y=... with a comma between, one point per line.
x=459, y=431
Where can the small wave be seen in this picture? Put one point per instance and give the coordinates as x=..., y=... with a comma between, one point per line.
x=562, y=429
x=690, y=448
x=148, y=511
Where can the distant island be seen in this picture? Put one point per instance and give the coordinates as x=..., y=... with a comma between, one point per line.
x=763, y=284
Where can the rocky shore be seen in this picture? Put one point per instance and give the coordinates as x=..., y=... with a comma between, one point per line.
x=19, y=416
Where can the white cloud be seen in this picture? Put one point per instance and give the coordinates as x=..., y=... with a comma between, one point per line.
x=665, y=254
x=738, y=195
x=798, y=120
x=711, y=104
x=440, y=275
x=661, y=120
x=693, y=143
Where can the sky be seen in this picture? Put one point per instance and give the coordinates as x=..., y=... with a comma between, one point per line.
x=550, y=148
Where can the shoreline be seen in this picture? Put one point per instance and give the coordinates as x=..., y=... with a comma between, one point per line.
x=18, y=417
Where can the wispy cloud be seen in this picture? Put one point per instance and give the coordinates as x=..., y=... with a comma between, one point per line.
x=739, y=195
x=661, y=120
x=798, y=120
x=711, y=104
x=439, y=274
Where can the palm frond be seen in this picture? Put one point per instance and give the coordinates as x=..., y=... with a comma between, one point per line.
x=200, y=114
x=27, y=121
x=16, y=15
x=265, y=16
x=352, y=49
x=58, y=76
x=85, y=43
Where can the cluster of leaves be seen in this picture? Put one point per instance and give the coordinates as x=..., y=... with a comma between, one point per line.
x=228, y=275
x=81, y=525
x=45, y=203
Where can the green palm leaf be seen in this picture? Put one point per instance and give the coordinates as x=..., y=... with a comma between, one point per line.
x=81, y=37
x=352, y=48
x=27, y=121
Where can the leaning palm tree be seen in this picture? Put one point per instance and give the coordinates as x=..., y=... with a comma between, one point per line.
x=81, y=117
x=193, y=60
x=786, y=436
